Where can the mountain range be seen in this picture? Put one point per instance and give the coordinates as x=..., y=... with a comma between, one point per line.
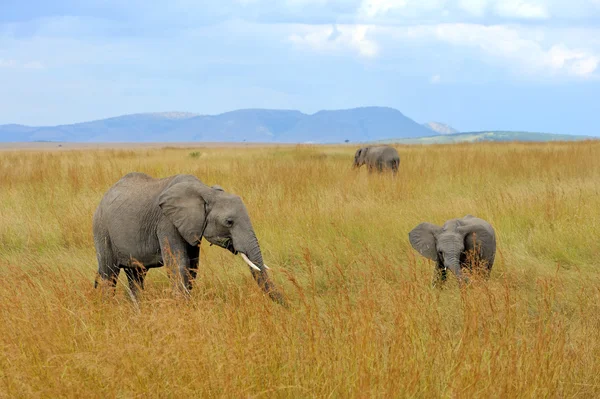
x=366, y=124
x=250, y=125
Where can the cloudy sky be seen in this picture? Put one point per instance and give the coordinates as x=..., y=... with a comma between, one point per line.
x=474, y=64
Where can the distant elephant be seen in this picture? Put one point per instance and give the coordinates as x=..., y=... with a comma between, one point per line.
x=451, y=244
x=378, y=157
x=142, y=223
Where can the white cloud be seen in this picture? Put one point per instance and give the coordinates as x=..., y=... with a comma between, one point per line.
x=526, y=54
x=473, y=7
x=306, y=2
x=413, y=8
x=521, y=9
x=372, y=8
x=576, y=62
x=523, y=51
x=337, y=38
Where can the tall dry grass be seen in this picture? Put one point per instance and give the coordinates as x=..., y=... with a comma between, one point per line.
x=363, y=320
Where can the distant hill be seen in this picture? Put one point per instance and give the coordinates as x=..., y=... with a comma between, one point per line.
x=251, y=125
x=357, y=125
x=488, y=136
x=440, y=128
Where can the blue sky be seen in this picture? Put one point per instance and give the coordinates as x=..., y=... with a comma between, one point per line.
x=474, y=64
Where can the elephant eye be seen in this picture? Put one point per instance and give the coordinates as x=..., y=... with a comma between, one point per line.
x=229, y=222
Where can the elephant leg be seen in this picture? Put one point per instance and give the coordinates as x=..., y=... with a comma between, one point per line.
x=108, y=275
x=135, y=277
x=175, y=257
x=108, y=269
x=486, y=273
x=439, y=276
x=488, y=268
x=194, y=257
x=394, y=167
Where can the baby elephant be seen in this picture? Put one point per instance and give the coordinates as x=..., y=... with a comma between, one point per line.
x=459, y=243
x=380, y=157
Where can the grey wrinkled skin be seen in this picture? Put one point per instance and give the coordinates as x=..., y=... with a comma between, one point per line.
x=378, y=158
x=450, y=245
x=142, y=223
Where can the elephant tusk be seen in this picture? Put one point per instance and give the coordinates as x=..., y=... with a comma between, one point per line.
x=252, y=265
x=266, y=267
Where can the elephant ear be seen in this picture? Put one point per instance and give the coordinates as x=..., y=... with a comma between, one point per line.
x=422, y=238
x=477, y=232
x=185, y=206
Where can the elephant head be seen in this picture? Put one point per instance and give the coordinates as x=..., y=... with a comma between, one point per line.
x=222, y=218
x=449, y=244
x=360, y=157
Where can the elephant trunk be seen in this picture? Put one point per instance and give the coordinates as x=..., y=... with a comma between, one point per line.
x=453, y=263
x=254, y=255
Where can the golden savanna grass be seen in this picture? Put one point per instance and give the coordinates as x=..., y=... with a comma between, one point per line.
x=363, y=320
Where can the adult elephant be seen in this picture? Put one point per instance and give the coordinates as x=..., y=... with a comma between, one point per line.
x=142, y=223
x=450, y=245
x=378, y=157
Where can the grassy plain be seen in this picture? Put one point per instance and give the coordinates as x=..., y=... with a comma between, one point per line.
x=363, y=320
